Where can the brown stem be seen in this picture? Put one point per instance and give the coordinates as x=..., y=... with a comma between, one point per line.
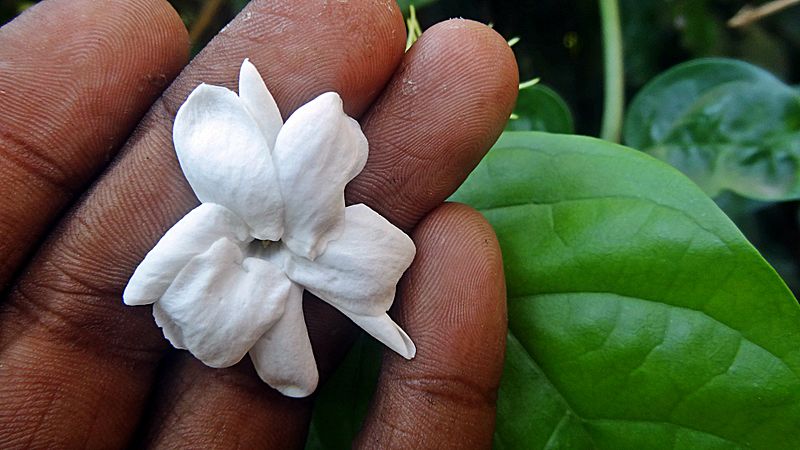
x=749, y=14
x=210, y=9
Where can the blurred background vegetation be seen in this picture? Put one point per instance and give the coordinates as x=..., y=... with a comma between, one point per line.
x=559, y=42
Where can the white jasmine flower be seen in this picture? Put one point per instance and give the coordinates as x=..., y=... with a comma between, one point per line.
x=228, y=278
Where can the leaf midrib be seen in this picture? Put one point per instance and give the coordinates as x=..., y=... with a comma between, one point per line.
x=610, y=197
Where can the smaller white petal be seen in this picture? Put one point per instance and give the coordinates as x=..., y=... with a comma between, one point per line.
x=318, y=151
x=358, y=273
x=384, y=329
x=360, y=270
x=283, y=357
x=191, y=236
x=259, y=102
x=226, y=159
x=221, y=303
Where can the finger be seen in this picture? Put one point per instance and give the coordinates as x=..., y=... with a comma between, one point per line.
x=444, y=108
x=231, y=415
x=75, y=78
x=73, y=359
x=453, y=303
x=448, y=65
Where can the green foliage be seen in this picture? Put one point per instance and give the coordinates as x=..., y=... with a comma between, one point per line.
x=413, y=28
x=342, y=401
x=639, y=316
x=727, y=124
x=540, y=108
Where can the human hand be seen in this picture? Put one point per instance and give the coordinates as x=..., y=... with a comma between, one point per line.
x=79, y=369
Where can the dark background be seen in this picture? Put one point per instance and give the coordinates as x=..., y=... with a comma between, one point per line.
x=560, y=40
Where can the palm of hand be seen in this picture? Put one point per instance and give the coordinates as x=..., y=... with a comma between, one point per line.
x=77, y=367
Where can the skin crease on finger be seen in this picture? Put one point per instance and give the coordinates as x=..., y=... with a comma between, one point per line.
x=66, y=341
x=76, y=364
x=72, y=88
x=429, y=146
x=454, y=306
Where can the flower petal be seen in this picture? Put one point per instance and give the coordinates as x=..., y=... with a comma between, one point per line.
x=318, y=151
x=192, y=235
x=385, y=330
x=358, y=273
x=221, y=303
x=259, y=102
x=283, y=357
x=226, y=159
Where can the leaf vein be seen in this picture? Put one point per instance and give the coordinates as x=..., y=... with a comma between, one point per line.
x=626, y=297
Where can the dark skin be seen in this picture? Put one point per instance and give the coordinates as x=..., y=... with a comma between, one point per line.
x=81, y=80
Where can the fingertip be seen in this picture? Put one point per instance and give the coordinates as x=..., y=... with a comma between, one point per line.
x=453, y=305
x=373, y=41
x=493, y=64
x=458, y=219
x=453, y=218
x=173, y=35
x=471, y=73
x=457, y=245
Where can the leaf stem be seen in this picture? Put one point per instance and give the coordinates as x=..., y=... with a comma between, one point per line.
x=613, y=71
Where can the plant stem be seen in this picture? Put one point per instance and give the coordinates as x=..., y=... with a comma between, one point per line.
x=613, y=71
x=414, y=29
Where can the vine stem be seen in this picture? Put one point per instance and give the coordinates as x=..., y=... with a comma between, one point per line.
x=613, y=69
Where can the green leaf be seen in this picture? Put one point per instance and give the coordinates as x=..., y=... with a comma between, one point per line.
x=540, y=108
x=666, y=99
x=728, y=125
x=342, y=401
x=702, y=32
x=639, y=316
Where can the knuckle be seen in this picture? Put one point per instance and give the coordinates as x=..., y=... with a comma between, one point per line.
x=68, y=305
x=443, y=392
x=31, y=157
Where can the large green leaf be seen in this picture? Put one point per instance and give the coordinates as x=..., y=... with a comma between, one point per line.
x=639, y=316
x=726, y=124
x=540, y=108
